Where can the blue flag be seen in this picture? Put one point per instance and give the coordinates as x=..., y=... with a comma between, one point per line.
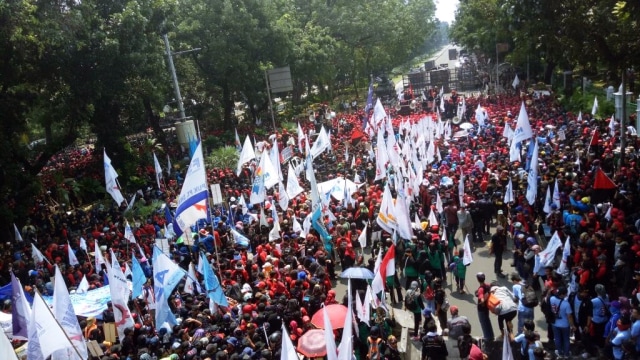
x=167, y=214
x=368, y=106
x=527, y=165
x=211, y=283
x=193, y=145
x=138, y=277
x=316, y=222
x=166, y=275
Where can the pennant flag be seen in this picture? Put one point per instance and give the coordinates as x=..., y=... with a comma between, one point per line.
x=73, y=260
x=301, y=138
x=288, y=351
x=595, y=138
x=603, y=187
x=119, y=290
x=508, y=193
x=507, y=353
x=439, y=206
x=369, y=104
x=83, y=287
x=237, y=143
x=293, y=186
x=461, y=188
x=433, y=219
x=191, y=284
x=128, y=234
x=133, y=200
x=566, y=252
x=247, y=154
x=192, y=202
x=166, y=276
x=612, y=126
x=274, y=234
x=168, y=166
x=158, y=169
x=111, y=180
x=480, y=115
x=211, y=284
x=239, y=239
x=546, y=256
x=259, y=189
x=16, y=234
x=44, y=326
x=99, y=259
x=362, y=238
x=66, y=316
x=6, y=349
x=387, y=268
x=318, y=224
x=547, y=201
x=321, y=144
x=37, y=255
x=283, y=197
x=515, y=82
x=467, y=257
x=243, y=204
x=276, y=160
x=295, y=226
x=378, y=113
x=345, y=350
x=329, y=338
x=594, y=108
x=20, y=310
x=522, y=132
x=556, y=195
x=532, y=177
x=137, y=278
x=385, y=218
x=83, y=244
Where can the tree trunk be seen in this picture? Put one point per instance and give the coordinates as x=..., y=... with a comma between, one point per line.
x=548, y=72
x=154, y=120
x=228, y=105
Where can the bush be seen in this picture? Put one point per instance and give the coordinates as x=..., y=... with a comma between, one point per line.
x=584, y=102
x=224, y=157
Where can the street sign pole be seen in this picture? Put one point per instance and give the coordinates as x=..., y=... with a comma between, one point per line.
x=273, y=119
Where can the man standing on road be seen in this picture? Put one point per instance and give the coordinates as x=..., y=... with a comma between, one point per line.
x=498, y=245
x=456, y=326
x=482, y=294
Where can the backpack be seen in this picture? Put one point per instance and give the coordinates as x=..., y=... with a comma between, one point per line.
x=492, y=303
x=374, y=349
x=529, y=297
x=410, y=300
x=464, y=345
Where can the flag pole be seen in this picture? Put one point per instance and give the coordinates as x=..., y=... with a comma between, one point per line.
x=61, y=328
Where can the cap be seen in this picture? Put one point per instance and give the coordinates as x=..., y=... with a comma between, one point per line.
x=480, y=276
x=453, y=309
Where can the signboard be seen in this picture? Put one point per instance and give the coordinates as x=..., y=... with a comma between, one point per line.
x=286, y=154
x=110, y=333
x=280, y=79
x=216, y=194
x=163, y=244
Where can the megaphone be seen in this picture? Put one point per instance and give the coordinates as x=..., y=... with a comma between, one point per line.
x=456, y=120
x=412, y=106
x=398, y=106
x=312, y=116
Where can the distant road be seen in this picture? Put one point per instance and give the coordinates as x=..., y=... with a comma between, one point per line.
x=440, y=58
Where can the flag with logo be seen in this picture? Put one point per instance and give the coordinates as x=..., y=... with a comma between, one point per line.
x=166, y=275
x=119, y=289
x=20, y=310
x=110, y=178
x=192, y=202
x=66, y=316
x=532, y=177
x=51, y=336
x=73, y=260
x=137, y=277
x=211, y=283
x=522, y=132
x=158, y=169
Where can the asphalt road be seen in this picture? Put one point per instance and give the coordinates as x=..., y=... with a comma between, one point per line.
x=482, y=262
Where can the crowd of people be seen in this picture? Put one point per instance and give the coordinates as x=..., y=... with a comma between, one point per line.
x=287, y=280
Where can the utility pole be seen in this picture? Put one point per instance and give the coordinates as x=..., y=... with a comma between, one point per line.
x=623, y=120
x=174, y=77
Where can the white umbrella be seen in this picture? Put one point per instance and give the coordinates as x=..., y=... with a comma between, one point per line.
x=466, y=126
x=357, y=273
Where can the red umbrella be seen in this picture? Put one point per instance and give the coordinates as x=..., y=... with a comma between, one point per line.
x=312, y=344
x=336, y=312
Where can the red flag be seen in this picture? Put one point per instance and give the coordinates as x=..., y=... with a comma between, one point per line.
x=602, y=181
x=595, y=138
x=357, y=135
x=388, y=264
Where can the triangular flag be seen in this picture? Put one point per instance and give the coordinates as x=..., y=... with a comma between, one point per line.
x=133, y=200
x=83, y=244
x=439, y=206
x=274, y=234
x=566, y=252
x=157, y=168
x=515, y=82
x=287, y=350
x=111, y=180
x=283, y=197
x=532, y=176
x=16, y=234
x=237, y=143
x=128, y=234
x=556, y=194
x=508, y=193
x=99, y=259
x=507, y=353
x=83, y=287
x=329, y=338
x=34, y=351
x=20, y=310
x=6, y=349
x=602, y=181
x=73, y=260
x=594, y=108
x=191, y=284
x=212, y=285
x=127, y=271
x=137, y=278
x=119, y=290
x=66, y=316
x=295, y=226
x=362, y=238
x=49, y=332
x=345, y=350
x=37, y=255
x=192, y=202
x=467, y=257
x=547, y=201
x=293, y=186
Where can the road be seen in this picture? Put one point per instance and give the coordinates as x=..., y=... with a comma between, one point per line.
x=441, y=58
x=482, y=262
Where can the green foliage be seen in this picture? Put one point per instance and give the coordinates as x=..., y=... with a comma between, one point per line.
x=584, y=102
x=142, y=210
x=224, y=157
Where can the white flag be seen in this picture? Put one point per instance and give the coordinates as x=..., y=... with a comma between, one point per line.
x=345, y=350
x=66, y=316
x=110, y=178
x=461, y=188
x=128, y=234
x=274, y=156
x=274, y=234
x=168, y=165
x=37, y=255
x=247, y=154
x=191, y=282
x=120, y=293
x=243, y=204
x=99, y=259
x=73, y=260
x=515, y=82
x=532, y=176
x=192, y=202
x=283, y=197
x=50, y=335
x=127, y=270
x=83, y=244
x=508, y=193
x=507, y=354
x=321, y=144
x=16, y=233
x=362, y=238
x=467, y=258
x=158, y=169
x=566, y=252
x=594, y=108
x=295, y=226
x=556, y=195
x=546, y=256
x=83, y=287
x=439, y=206
x=6, y=349
x=293, y=186
x=378, y=113
x=288, y=351
x=133, y=200
x=481, y=115
x=329, y=338
x=547, y=201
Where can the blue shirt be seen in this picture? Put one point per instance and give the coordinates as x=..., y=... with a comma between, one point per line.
x=518, y=294
x=599, y=310
x=576, y=305
x=562, y=310
x=617, y=342
x=635, y=332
